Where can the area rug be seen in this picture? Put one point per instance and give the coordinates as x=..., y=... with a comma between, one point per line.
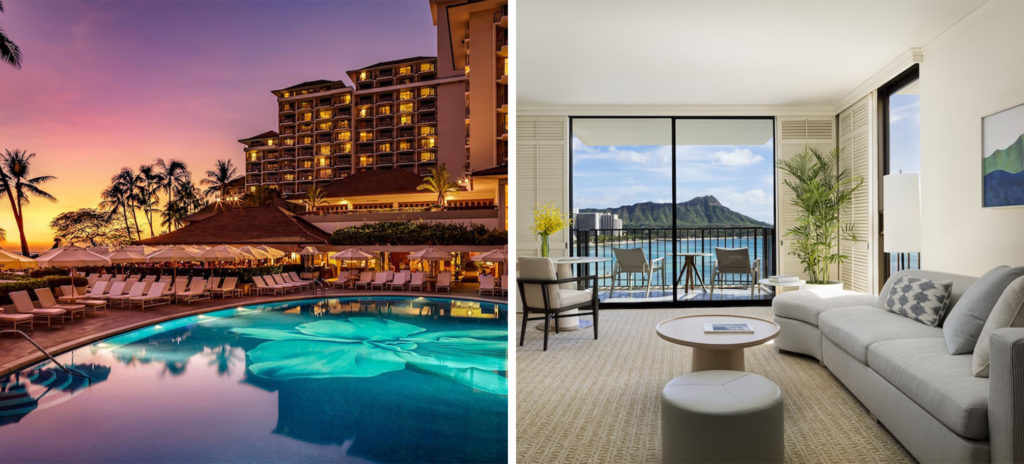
x=598, y=401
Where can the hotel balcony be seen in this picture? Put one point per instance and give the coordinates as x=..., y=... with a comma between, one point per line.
x=345, y=162
x=406, y=159
x=427, y=106
x=428, y=118
x=501, y=16
x=385, y=160
x=305, y=152
x=253, y=168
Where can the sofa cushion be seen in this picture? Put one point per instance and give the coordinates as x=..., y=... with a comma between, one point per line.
x=806, y=305
x=575, y=297
x=940, y=383
x=965, y=321
x=1008, y=312
x=960, y=284
x=922, y=300
x=856, y=328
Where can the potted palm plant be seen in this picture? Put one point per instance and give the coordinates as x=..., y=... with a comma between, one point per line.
x=821, y=191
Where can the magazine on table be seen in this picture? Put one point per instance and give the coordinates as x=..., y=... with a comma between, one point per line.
x=728, y=328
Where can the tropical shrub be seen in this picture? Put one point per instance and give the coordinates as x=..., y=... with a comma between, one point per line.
x=418, y=233
x=30, y=284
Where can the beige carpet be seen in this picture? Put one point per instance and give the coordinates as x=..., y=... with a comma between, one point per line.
x=597, y=401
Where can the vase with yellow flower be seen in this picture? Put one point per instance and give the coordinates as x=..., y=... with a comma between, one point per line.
x=547, y=219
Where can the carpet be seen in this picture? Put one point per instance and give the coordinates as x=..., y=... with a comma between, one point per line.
x=598, y=401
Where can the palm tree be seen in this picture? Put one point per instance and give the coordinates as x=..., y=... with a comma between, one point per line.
x=173, y=216
x=15, y=181
x=189, y=196
x=148, y=198
x=9, y=51
x=174, y=173
x=218, y=179
x=130, y=185
x=115, y=200
x=315, y=198
x=439, y=183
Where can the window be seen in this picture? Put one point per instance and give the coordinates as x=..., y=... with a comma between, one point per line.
x=900, y=104
x=343, y=124
x=405, y=107
x=404, y=120
x=429, y=142
x=345, y=99
x=384, y=147
x=427, y=156
x=364, y=112
x=427, y=130
x=384, y=110
x=322, y=162
x=365, y=160
x=346, y=148
x=289, y=141
x=363, y=76
x=254, y=155
x=427, y=92
x=405, y=95
x=344, y=136
x=286, y=94
x=405, y=70
x=325, y=114
x=305, y=164
x=288, y=177
x=306, y=116
x=426, y=67
x=405, y=145
x=365, y=136
x=325, y=126
x=325, y=149
x=307, y=140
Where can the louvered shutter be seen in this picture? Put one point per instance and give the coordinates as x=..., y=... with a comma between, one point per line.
x=793, y=134
x=541, y=177
x=857, y=140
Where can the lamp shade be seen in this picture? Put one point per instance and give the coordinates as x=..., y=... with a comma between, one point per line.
x=901, y=200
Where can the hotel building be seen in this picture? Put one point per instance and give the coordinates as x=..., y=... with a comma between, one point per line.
x=410, y=114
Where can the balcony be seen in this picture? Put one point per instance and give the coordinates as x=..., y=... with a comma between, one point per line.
x=406, y=159
x=501, y=16
x=427, y=106
x=384, y=160
x=657, y=243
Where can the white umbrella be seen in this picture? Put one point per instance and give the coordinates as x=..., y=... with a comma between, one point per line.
x=72, y=256
x=173, y=253
x=140, y=249
x=496, y=255
x=15, y=261
x=431, y=254
x=256, y=253
x=273, y=252
x=101, y=250
x=352, y=254
x=220, y=253
x=123, y=256
x=309, y=251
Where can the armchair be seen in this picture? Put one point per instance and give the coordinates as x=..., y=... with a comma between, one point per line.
x=539, y=292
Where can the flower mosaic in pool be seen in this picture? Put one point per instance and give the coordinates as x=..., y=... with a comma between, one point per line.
x=377, y=379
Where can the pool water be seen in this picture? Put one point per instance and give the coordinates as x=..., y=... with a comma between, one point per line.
x=340, y=379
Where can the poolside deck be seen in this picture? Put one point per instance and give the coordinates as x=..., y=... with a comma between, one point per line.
x=16, y=352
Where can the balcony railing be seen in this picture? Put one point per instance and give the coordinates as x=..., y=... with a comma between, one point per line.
x=657, y=243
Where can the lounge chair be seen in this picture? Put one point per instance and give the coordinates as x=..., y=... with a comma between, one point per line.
x=136, y=289
x=93, y=301
x=180, y=285
x=401, y=280
x=70, y=294
x=150, y=278
x=212, y=283
x=418, y=281
x=154, y=297
x=345, y=279
x=381, y=279
x=365, y=278
x=196, y=291
x=46, y=300
x=287, y=279
x=262, y=288
x=486, y=284
x=23, y=304
x=15, y=319
x=273, y=283
x=119, y=277
x=279, y=281
x=227, y=288
x=116, y=290
x=444, y=282
x=295, y=278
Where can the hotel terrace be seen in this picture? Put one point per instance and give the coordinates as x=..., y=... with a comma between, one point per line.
x=723, y=134
x=366, y=143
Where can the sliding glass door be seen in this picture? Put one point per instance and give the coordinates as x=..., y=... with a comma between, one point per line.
x=900, y=103
x=654, y=197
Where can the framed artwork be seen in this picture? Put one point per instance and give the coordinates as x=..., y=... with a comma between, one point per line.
x=1002, y=163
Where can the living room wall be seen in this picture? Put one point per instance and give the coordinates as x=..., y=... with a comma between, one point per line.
x=972, y=70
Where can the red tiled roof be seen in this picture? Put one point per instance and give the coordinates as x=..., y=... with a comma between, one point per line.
x=264, y=225
x=380, y=182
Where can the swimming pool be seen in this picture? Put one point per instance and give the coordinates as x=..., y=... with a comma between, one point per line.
x=381, y=379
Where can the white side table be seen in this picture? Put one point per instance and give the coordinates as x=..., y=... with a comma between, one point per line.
x=799, y=284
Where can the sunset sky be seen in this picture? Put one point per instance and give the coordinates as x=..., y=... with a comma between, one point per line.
x=109, y=84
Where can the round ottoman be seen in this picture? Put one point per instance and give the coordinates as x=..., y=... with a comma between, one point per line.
x=721, y=416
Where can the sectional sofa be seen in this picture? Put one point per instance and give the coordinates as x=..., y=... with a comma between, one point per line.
x=902, y=371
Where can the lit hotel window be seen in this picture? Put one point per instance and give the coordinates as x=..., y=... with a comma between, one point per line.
x=427, y=92
x=384, y=147
x=307, y=140
x=365, y=136
x=325, y=126
x=343, y=124
x=362, y=76
x=405, y=145
x=306, y=164
x=506, y=67
x=270, y=142
x=325, y=114
x=428, y=142
x=427, y=130
x=365, y=160
x=289, y=142
x=364, y=112
x=321, y=162
x=405, y=95
x=424, y=67
x=344, y=99
x=426, y=156
x=405, y=70
x=405, y=120
x=253, y=155
x=346, y=148
x=325, y=149
x=344, y=136
x=405, y=108
x=289, y=177
x=386, y=109
x=307, y=116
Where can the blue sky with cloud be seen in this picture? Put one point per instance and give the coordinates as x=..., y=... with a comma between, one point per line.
x=905, y=133
x=740, y=176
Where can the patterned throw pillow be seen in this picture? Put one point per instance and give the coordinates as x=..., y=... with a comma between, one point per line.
x=922, y=300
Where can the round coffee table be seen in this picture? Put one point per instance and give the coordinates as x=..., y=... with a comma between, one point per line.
x=716, y=351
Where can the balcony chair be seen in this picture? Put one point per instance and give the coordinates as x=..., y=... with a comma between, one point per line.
x=631, y=261
x=734, y=261
x=539, y=292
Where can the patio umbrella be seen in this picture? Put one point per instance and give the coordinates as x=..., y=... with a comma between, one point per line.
x=431, y=254
x=352, y=254
x=256, y=253
x=497, y=255
x=15, y=261
x=71, y=257
x=172, y=254
x=309, y=251
x=101, y=250
x=220, y=253
x=273, y=252
x=123, y=255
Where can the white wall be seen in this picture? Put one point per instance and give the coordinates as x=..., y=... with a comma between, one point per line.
x=972, y=70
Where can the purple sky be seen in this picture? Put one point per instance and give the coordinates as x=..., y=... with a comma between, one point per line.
x=108, y=84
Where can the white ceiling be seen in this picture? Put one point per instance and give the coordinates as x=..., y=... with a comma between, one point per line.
x=715, y=52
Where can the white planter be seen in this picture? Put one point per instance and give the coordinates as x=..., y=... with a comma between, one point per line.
x=829, y=287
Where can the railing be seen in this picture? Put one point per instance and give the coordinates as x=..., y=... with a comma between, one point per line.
x=47, y=353
x=657, y=243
